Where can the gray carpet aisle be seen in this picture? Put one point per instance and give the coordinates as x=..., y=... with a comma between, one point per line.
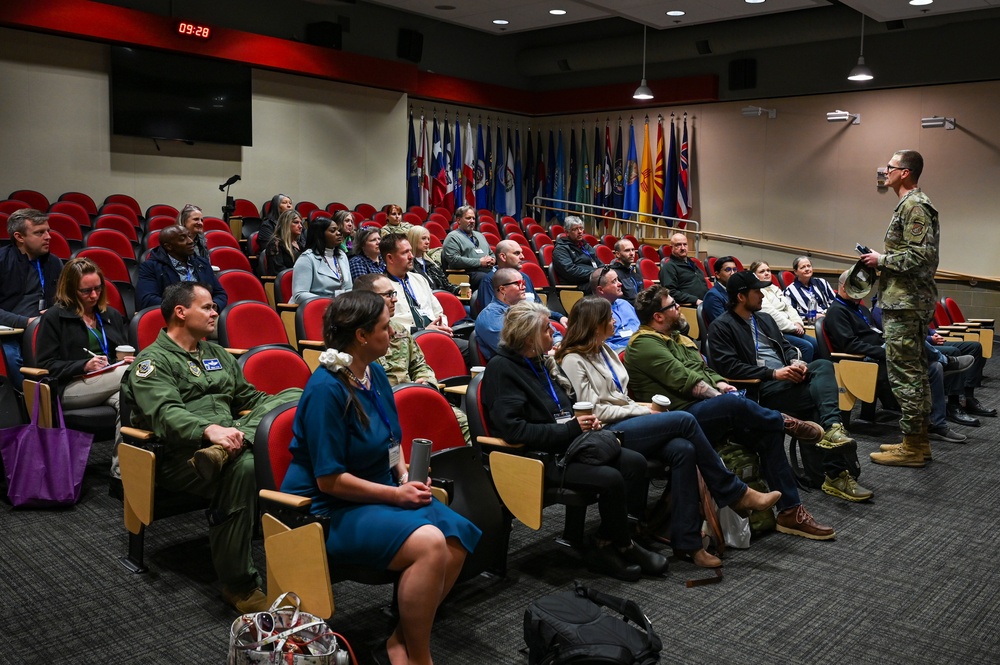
x=911, y=578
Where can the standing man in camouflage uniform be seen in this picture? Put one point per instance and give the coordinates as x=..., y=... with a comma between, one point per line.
x=908, y=294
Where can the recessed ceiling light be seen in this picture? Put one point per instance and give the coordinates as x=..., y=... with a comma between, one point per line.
x=557, y=12
x=444, y=8
x=675, y=12
x=918, y=3
x=754, y=2
x=500, y=21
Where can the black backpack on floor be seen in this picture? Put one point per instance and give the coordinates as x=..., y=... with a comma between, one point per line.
x=571, y=627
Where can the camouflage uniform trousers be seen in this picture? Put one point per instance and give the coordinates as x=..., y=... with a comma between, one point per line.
x=906, y=363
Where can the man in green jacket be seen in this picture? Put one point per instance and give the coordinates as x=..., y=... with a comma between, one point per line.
x=192, y=395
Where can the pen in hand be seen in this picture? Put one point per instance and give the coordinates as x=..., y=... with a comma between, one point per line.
x=94, y=355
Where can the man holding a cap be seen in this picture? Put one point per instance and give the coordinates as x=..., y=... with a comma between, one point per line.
x=660, y=360
x=745, y=343
x=908, y=294
x=508, y=285
x=851, y=328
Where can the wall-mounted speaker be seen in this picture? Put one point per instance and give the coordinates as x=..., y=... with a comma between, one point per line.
x=324, y=33
x=743, y=74
x=410, y=45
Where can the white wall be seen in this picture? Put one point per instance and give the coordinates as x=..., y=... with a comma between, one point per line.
x=313, y=140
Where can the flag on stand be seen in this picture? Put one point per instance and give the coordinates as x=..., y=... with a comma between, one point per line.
x=550, y=171
x=499, y=191
x=646, y=178
x=618, y=186
x=413, y=170
x=518, y=182
x=490, y=165
x=559, y=180
x=449, y=168
x=482, y=195
x=658, y=169
x=571, y=172
x=670, y=177
x=458, y=170
x=631, y=175
x=440, y=181
x=424, y=162
x=683, y=178
x=540, y=177
x=582, y=194
x=469, y=167
x=598, y=176
x=608, y=175
x=510, y=178
x=530, y=177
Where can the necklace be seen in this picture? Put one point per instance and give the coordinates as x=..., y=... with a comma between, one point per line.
x=363, y=382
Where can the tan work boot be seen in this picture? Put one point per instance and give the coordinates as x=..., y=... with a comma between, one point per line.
x=924, y=448
x=208, y=462
x=908, y=453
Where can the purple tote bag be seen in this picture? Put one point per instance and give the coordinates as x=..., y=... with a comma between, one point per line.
x=44, y=465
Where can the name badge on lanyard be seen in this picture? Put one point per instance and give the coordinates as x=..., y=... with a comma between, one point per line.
x=211, y=364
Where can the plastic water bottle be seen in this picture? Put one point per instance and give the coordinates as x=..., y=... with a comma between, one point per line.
x=811, y=314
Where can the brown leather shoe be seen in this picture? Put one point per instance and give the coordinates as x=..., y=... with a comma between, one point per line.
x=700, y=558
x=754, y=501
x=208, y=462
x=798, y=522
x=805, y=431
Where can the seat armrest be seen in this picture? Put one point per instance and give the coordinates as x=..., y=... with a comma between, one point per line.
x=312, y=343
x=34, y=372
x=236, y=352
x=293, y=501
x=498, y=442
x=137, y=434
x=846, y=356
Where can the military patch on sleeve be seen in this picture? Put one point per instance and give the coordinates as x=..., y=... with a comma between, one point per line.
x=917, y=229
x=144, y=369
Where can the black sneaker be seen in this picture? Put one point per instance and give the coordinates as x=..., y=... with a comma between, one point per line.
x=945, y=433
x=651, y=563
x=606, y=561
x=956, y=364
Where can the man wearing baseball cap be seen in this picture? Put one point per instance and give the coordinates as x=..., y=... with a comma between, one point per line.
x=745, y=343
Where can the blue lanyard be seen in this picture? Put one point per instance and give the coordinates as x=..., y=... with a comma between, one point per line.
x=381, y=409
x=856, y=308
x=756, y=338
x=614, y=376
x=103, y=339
x=584, y=250
x=552, y=389
x=335, y=267
x=41, y=277
x=406, y=287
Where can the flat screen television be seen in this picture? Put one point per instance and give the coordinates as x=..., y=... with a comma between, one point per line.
x=167, y=96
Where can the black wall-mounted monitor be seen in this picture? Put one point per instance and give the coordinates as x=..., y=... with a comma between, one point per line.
x=167, y=96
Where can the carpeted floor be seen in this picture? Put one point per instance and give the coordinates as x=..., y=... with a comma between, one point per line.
x=909, y=579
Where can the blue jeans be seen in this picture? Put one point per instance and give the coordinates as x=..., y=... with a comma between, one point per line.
x=806, y=345
x=12, y=351
x=675, y=438
x=757, y=428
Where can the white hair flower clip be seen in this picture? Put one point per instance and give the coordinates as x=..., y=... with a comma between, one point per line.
x=334, y=360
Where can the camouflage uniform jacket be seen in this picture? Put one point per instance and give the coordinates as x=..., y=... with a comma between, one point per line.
x=906, y=279
x=404, y=362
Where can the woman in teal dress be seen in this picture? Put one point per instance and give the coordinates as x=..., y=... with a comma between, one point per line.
x=346, y=457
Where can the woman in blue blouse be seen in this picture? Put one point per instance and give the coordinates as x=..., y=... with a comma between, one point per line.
x=346, y=458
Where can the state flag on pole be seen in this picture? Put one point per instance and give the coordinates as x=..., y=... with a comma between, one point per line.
x=646, y=178
x=583, y=194
x=658, y=169
x=540, y=177
x=509, y=179
x=440, y=180
x=607, y=175
x=670, y=177
x=550, y=172
x=469, y=167
x=482, y=195
x=631, y=175
x=424, y=161
x=559, y=180
x=499, y=193
x=618, y=185
x=490, y=164
x=598, y=173
x=458, y=170
x=518, y=177
x=412, y=170
x=449, y=168
x=683, y=178
x=571, y=172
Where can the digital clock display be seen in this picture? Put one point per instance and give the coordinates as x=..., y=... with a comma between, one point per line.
x=189, y=29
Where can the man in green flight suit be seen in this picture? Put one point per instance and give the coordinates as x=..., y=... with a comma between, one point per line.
x=190, y=393
x=908, y=293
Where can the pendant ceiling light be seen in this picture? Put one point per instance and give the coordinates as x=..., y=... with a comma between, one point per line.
x=861, y=72
x=643, y=91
